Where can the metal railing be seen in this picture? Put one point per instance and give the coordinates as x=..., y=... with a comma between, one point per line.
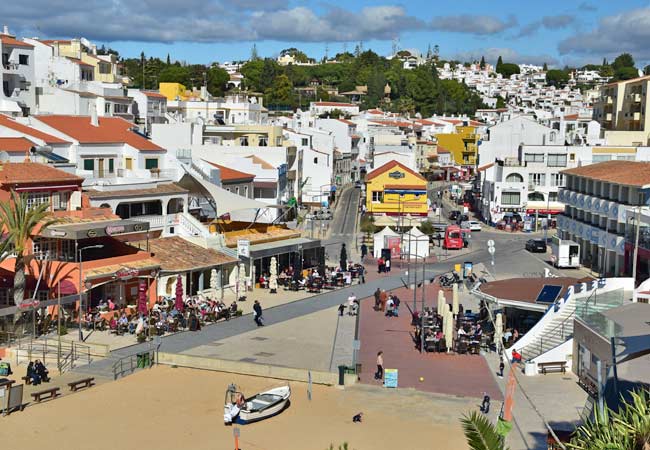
x=129, y=364
x=67, y=354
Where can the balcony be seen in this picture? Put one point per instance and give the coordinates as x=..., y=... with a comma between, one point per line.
x=11, y=67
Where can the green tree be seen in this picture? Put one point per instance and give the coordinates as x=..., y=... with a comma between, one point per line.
x=646, y=70
x=623, y=60
x=508, y=69
x=626, y=73
x=218, y=80
x=499, y=64
x=606, y=71
x=501, y=103
x=482, y=63
x=252, y=72
x=21, y=223
x=545, y=68
x=628, y=428
x=298, y=55
x=557, y=78
x=480, y=433
x=169, y=61
x=175, y=74
x=375, y=94
x=254, y=55
x=280, y=92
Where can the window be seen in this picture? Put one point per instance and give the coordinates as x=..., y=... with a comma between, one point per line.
x=151, y=163
x=316, y=160
x=128, y=163
x=556, y=160
x=510, y=198
x=377, y=196
x=111, y=165
x=278, y=141
x=557, y=179
x=552, y=196
x=305, y=142
x=514, y=178
x=60, y=201
x=237, y=190
x=107, y=108
x=626, y=157
x=121, y=109
x=243, y=141
x=264, y=141
x=537, y=179
x=23, y=60
x=601, y=158
x=535, y=197
x=104, y=68
x=89, y=164
x=37, y=198
x=534, y=157
x=245, y=191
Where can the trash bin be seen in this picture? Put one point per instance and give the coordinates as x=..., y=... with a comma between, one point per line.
x=530, y=368
x=143, y=360
x=342, y=375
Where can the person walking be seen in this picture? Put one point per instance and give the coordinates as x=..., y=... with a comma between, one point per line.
x=364, y=251
x=362, y=274
x=387, y=265
x=257, y=313
x=501, y=367
x=377, y=299
x=351, y=304
x=396, y=302
x=485, y=406
x=383, y=298
x=379, y=375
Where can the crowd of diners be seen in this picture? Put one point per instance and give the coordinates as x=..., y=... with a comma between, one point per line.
x=315, y=279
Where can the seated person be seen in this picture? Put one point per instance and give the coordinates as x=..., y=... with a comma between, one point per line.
x=111, y=305
x=233, y=307
x=112, y=324
x=32, y=374
x=516, y=356
x=41, y=370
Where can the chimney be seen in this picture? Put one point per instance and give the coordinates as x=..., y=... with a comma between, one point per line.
x=5, y=29
x=94, y=121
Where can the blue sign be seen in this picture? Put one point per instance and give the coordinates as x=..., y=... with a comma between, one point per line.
x=390, y=378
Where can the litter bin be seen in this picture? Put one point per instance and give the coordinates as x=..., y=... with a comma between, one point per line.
x=342, y=375
x=143, y=360
x=530, y=368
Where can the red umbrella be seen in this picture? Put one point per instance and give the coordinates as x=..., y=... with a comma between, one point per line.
x=179, y=294
x=142, y=297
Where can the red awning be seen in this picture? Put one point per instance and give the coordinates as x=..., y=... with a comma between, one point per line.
x=544, y=211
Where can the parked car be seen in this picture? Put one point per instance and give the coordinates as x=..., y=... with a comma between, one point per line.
x=536, y=245
x=471, y=225
x=462, y=218
x=324, y=214
x=453, y=215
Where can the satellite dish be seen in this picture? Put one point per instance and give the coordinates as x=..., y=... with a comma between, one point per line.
x=4, y=157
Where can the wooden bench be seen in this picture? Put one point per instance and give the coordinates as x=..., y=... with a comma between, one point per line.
x=553, y=366
x=26, y=379
x=47, y=393
x=80, y=384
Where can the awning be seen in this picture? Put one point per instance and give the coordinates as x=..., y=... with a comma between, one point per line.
x=226, y=202
x=285, y=246
x=86, y=230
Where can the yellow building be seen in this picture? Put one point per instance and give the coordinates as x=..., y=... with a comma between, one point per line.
x=173, y=91
x=463, y=145
x=106, y=68
x=394, y=189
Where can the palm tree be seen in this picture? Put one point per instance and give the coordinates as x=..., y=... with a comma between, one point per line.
x=628, y=428
x=480, y=433
x=19, y=223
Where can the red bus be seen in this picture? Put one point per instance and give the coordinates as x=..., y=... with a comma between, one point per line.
x=453, y=238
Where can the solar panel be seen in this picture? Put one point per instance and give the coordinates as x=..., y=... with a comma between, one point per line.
x=549, y=293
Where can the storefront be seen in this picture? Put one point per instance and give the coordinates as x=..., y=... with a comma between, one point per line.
x=300, y=253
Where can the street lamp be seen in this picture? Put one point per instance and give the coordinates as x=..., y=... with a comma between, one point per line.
x=80, y=252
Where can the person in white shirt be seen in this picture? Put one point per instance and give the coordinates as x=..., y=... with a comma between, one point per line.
x=352, y=304
x=387, y=264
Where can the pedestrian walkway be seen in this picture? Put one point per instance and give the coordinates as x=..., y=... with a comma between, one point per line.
x=461, y=375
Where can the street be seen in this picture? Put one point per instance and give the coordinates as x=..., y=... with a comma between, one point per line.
x=343, y=225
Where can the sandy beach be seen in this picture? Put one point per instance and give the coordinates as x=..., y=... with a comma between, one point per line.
x=174, y=408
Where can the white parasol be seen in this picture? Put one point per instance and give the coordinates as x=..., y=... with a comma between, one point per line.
x=214, y=280
x=441, y=302
x=455, y=301
x=498, y=331
x=241, y=279
x=273, y=279
x=449, y=330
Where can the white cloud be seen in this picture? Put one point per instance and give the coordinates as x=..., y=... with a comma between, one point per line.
x=472, y=24
x=625, y=32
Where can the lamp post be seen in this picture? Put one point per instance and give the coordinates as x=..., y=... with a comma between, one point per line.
x=80, y=253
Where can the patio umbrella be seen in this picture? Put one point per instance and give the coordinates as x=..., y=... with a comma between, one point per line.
x=441, y=302
x=498, y=331
x=455, y=302
x=142, y=297
x=241, y=279
x=449, y=330
x=214, y=281
x=273, y=278
x=179, y=305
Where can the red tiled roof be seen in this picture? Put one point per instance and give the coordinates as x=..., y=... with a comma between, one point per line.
x=29, y=172
x=9, y=40
x=154, y=94
x=344, y=105
x=571, y=117
x=228, y=174
x=439, y=149
x=485, y=167
x=629, y=173
x=52, y=41
x=348, y=122
x=6, y=121
x=111, y=130
x=390, y=165
x=79, y=62
x=10, y=144
x=392, y=123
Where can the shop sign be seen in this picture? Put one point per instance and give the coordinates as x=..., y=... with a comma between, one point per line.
x=397, y=175
x=127, y=272
x=57, y=233
x=29, y=304
x=115, y=229
x=243, y=248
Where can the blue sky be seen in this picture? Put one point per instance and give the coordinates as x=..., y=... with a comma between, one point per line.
x=201, y=31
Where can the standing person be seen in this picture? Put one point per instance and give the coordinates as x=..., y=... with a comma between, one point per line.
x=257, y=313
x=351, y=299
x=387, y=264
x=379, y=375
x=341, y=309
x=501, y=367
x=377, y=299
x=396, y=302
x=364, y=251
x=343, y=259
x=383, y=297
x=380, y=265
x=389, y=306
x=485, y=406
x=362, y=274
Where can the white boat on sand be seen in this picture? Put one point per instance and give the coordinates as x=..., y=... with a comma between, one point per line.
x=242, y=410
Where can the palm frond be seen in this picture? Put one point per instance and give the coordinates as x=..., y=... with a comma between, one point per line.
x=480, y=433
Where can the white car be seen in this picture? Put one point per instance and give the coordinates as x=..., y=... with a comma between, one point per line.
x=471, y=225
